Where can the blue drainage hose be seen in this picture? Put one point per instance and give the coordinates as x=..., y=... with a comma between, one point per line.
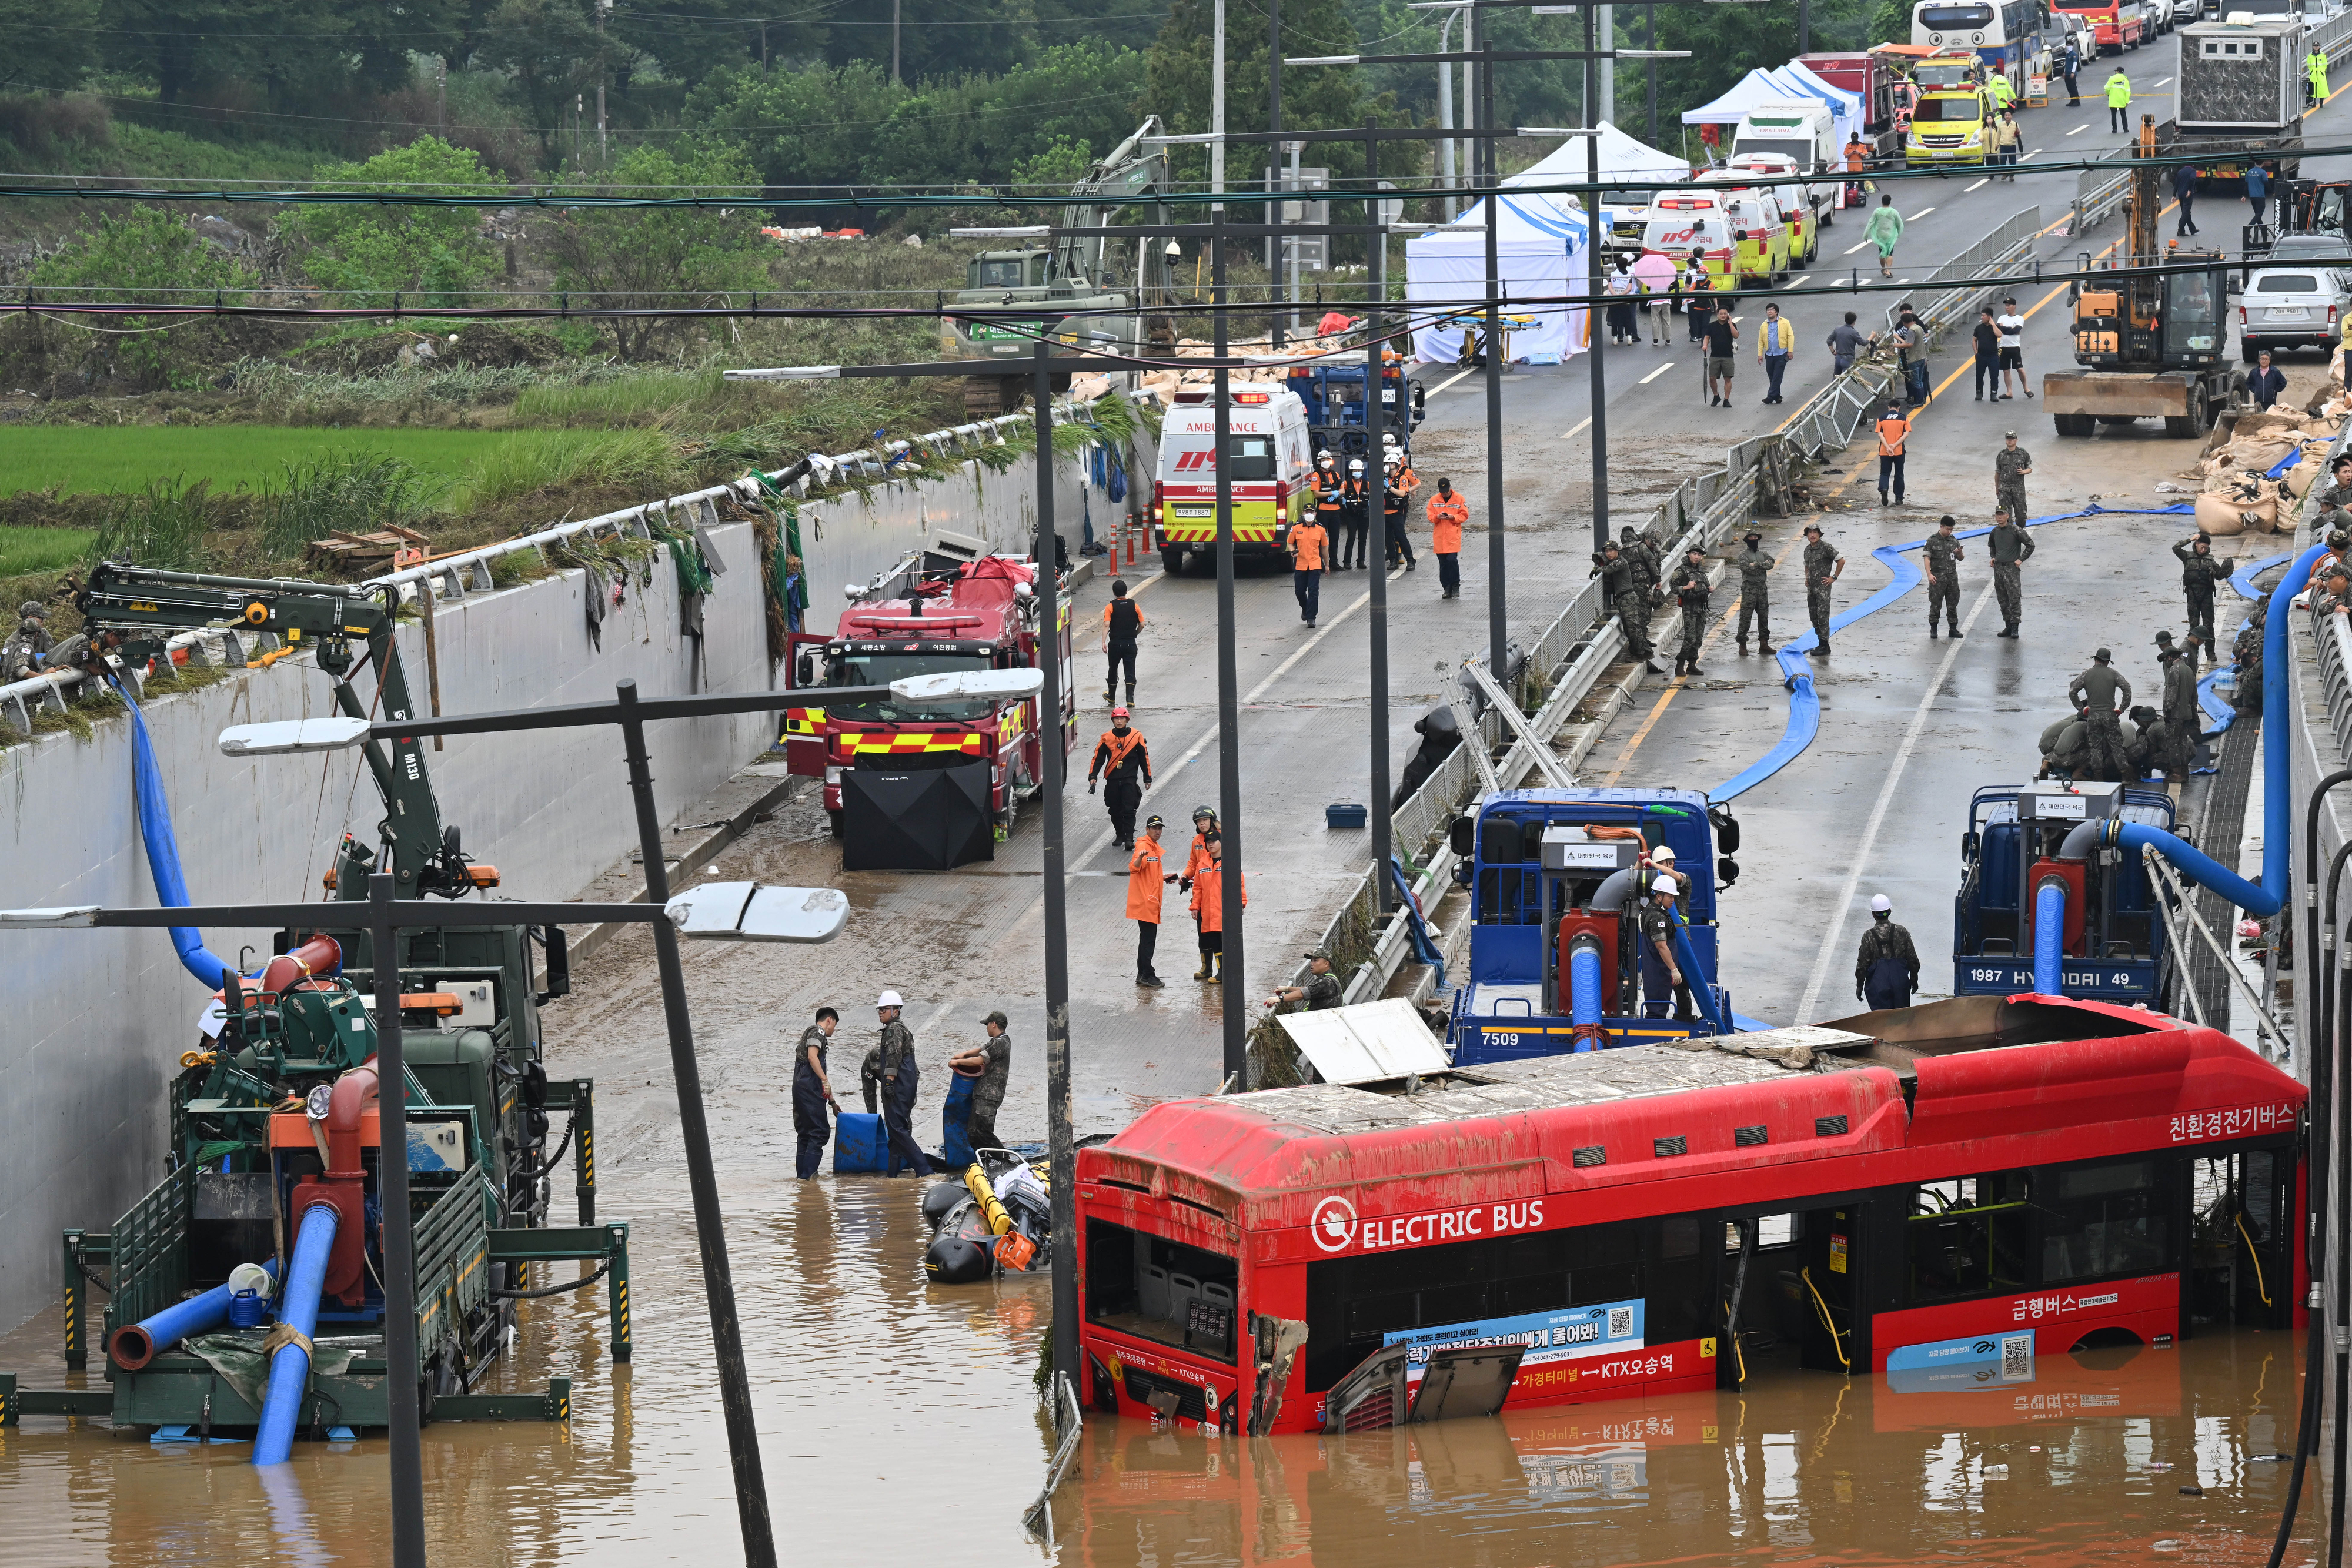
x=1584, y=994
x=1796, y=673
x=164, y=849
x=2050, y=938
x=2278, y=790
x=290, y=1368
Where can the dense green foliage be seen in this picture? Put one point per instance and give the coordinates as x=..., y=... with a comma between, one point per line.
x=432, y=255
x=145, y=255
x=616, y=252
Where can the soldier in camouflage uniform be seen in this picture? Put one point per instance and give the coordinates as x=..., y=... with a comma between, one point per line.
x=2011, y=548
x=2095, y=692
x=1755, y=569
x=1619, y=586
x=21, y=655
x=1823, y=567
x=2332, y=499
x=2180, y=713
x=1690, y=591
x=2201, y=568
x=1643, y=554
x=1944, y=552
x=2010, y=464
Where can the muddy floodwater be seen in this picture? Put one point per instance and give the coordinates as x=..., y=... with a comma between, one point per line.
x=898, y=1426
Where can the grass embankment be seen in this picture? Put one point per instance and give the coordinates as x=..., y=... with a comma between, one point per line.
x=73, y=460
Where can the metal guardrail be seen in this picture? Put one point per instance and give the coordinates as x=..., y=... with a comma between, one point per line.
x=454, y=576
x=2099, y=195
x=2332, y=640
x=1982, y=261
x=1069, y=1420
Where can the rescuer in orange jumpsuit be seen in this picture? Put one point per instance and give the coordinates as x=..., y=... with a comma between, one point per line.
x=1209, y=910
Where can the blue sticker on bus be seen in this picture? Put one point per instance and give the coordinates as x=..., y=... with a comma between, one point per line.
x=1601, y=1328
x=1950, y=1366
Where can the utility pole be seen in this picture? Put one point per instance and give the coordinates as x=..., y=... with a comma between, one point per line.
x=441, y=76
x=603, y=70
x=1231, y=962
x=1061, y=1146
x=1608, y=73
x=894, y=43
x=1278, y=319
x=1804, y=26
x=1375, y=469
x=1217, y=110
x=1446, y=121
x=1650, y=41
x=1592, y=285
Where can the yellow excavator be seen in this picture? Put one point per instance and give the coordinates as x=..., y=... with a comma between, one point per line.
x=2150, y=344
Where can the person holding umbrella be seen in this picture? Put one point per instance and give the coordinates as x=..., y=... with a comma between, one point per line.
x=1656, y=274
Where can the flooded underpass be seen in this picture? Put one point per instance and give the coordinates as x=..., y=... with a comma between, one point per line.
x=899, y=1423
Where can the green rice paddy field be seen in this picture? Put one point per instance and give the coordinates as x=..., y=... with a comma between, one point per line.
x=101, y=458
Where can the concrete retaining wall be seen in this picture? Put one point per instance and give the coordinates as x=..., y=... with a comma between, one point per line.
x=95, y=1021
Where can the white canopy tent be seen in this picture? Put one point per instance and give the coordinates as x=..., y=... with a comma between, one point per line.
x=1540, y=247
x=1845, y=105
x=1783, y=88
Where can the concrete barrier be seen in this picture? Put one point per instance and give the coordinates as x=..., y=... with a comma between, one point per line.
x=96, y=1021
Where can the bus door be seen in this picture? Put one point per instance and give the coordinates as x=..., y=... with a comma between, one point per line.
x=1829, y=1275
x=1790, y=1286
x=2242, y=1204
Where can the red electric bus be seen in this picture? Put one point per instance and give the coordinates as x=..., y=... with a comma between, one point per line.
x=1937, y=1194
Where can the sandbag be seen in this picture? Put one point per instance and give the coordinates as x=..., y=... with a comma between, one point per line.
x=2225, y=517
x=2298, y=480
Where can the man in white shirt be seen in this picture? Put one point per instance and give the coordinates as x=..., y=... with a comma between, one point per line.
x=2011, y=327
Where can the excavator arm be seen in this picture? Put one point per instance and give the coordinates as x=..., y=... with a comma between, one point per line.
x=143, y=606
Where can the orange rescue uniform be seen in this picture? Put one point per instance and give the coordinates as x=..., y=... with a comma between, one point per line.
x=1209, y=897
x=1143, y=883
x=1307, y=545
x=1447, y=513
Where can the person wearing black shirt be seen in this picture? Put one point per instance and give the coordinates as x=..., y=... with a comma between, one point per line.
x=1987, y=338
x=1722, y=356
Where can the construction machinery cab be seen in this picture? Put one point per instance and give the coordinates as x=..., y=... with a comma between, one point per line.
x=1007, y=270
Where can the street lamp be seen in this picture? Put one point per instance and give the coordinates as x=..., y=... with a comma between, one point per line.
x=729, y=912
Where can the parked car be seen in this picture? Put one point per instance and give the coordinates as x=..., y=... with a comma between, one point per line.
x=2161, y=15
x=2293, y=307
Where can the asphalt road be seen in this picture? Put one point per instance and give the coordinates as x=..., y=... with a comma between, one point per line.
x=1910, y=726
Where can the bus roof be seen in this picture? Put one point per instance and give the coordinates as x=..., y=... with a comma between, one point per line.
x=1956, y=1071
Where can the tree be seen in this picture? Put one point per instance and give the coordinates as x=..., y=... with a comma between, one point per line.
x=147, y=254
x=48, y=43
x=613, y=255
x=1177, y=86
x=554, y=52
x=798, y=127
x=435, y=252
x=1064, y=164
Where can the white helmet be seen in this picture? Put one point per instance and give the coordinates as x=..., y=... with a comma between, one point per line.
x=1665, y=885
x=889, y=999
x=1322, y=452
x=1355, y=465
x=1881, y=905
x=1663, y=855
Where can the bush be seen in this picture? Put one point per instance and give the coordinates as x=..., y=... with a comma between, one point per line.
x=141, y=254
x=431, y=255
x=352, y=491
x=161, y=526
x=617, y=255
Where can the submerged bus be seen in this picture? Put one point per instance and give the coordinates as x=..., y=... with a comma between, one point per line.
x=1935, y=1193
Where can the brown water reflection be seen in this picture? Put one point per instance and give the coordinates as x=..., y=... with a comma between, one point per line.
x=900, y=1426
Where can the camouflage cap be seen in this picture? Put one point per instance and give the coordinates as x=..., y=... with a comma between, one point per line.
x=2337, y=539
x=2009, y=435
x=1750, y=537
x=998, y=1019
x=1322, y=953
x=33, y=609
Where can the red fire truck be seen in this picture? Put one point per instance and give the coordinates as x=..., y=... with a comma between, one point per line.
x=950, y=606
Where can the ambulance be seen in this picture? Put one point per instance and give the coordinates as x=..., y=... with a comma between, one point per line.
x=1953, y=127
x=1789, y=204
x=1270, y=458
x=1745, y=241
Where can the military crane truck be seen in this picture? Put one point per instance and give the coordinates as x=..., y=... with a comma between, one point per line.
x=1079, y=293
x=2150, y=343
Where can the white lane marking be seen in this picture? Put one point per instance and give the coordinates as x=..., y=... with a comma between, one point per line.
x=1798, y=278
x=1922, y=212
x=2035, y=153
x=1654, y=375
x=1579, y=427
x=2079, y=129
x=2165, y=82
x=1864, y=246
x=1829, y=952
x=1978, y=185
x=1443, y=385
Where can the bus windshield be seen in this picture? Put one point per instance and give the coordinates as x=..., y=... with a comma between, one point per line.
x=1949, y=110
x=881, y=669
